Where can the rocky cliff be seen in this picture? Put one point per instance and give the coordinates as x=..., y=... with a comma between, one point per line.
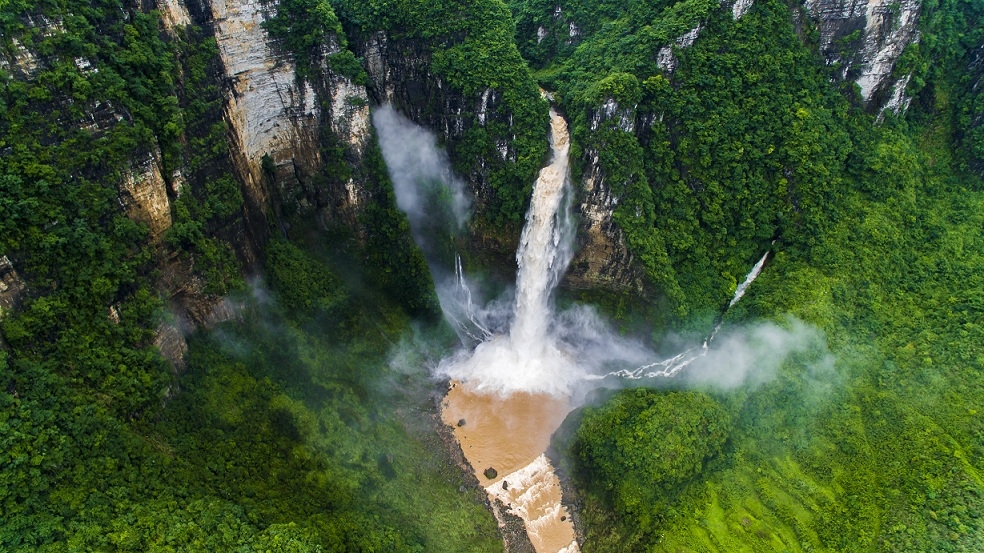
x=863, y=40
x=247, y=143
x=258, y=144
x=400, y=73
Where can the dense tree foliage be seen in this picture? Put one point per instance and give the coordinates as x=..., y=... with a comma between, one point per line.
x=743, y=143
x=642, y=445
x=273, y=439
x=291, y=430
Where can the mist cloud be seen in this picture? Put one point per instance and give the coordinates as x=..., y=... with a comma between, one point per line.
x=419, y=170
x=753, y=353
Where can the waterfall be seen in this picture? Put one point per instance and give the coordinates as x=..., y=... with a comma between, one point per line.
x=545, y=246
x=668, y=368
x=752, y=275
x=521, y=345
x=529, y=358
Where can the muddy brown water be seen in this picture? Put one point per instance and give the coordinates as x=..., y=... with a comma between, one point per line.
x=510, y=435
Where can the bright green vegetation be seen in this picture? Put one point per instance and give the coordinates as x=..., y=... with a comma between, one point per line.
x=641, y=446
x=740, y=147
x=305, y=28
x=293, y=429
x=880, y=245
x=288, y=430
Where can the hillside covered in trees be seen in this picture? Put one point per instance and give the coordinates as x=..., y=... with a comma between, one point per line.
x=216, y=328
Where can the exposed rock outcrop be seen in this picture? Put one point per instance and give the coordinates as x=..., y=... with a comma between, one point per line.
x=173, y=13
x=666, y=59
x=21, y=59
x=270, y=112
x=143, y=194
x=172, y=345
x=602, y=259
x=12, y=287
x=865, y=38
x=399, y=71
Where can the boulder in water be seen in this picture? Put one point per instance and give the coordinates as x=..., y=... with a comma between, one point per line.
x=491, y=473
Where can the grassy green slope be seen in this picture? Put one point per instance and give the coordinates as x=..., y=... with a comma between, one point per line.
x=891, y=459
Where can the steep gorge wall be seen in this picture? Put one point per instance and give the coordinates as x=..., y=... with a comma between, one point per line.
x=602, y=259
x=400, y=73
x=277, y=121
x=455, y=69
x=862, y=39
x=247, y=120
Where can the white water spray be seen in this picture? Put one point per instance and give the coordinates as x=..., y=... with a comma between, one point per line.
x=513, y=390
x=668, y=368
x=520, y=343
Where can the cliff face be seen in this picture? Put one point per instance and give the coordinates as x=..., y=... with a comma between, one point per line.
x=278, y=126
x=276, y=120
x=603, y=260
x=258, y=137
x=12, y=287
x=864, y=40
x=400, y=72
x=144, y=194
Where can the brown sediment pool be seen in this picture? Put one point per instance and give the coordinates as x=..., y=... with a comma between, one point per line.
x=509, y=434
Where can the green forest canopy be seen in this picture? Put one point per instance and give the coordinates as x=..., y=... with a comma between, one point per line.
x=283, y=435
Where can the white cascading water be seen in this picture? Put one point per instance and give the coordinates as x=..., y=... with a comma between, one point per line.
x=749, y=279
x=545, y=247
x=529, y=358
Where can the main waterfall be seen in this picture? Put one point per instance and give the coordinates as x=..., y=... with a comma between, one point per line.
x=529, y=358
x=508, y=394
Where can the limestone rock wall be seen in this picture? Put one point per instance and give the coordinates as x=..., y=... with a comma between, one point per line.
x=399, y=71
x=12, y=287
x=865, y=38
x=270, y=112
x=144, y=195
x=602, y=259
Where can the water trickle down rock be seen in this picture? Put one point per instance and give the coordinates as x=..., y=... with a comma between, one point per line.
x=975, y=70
